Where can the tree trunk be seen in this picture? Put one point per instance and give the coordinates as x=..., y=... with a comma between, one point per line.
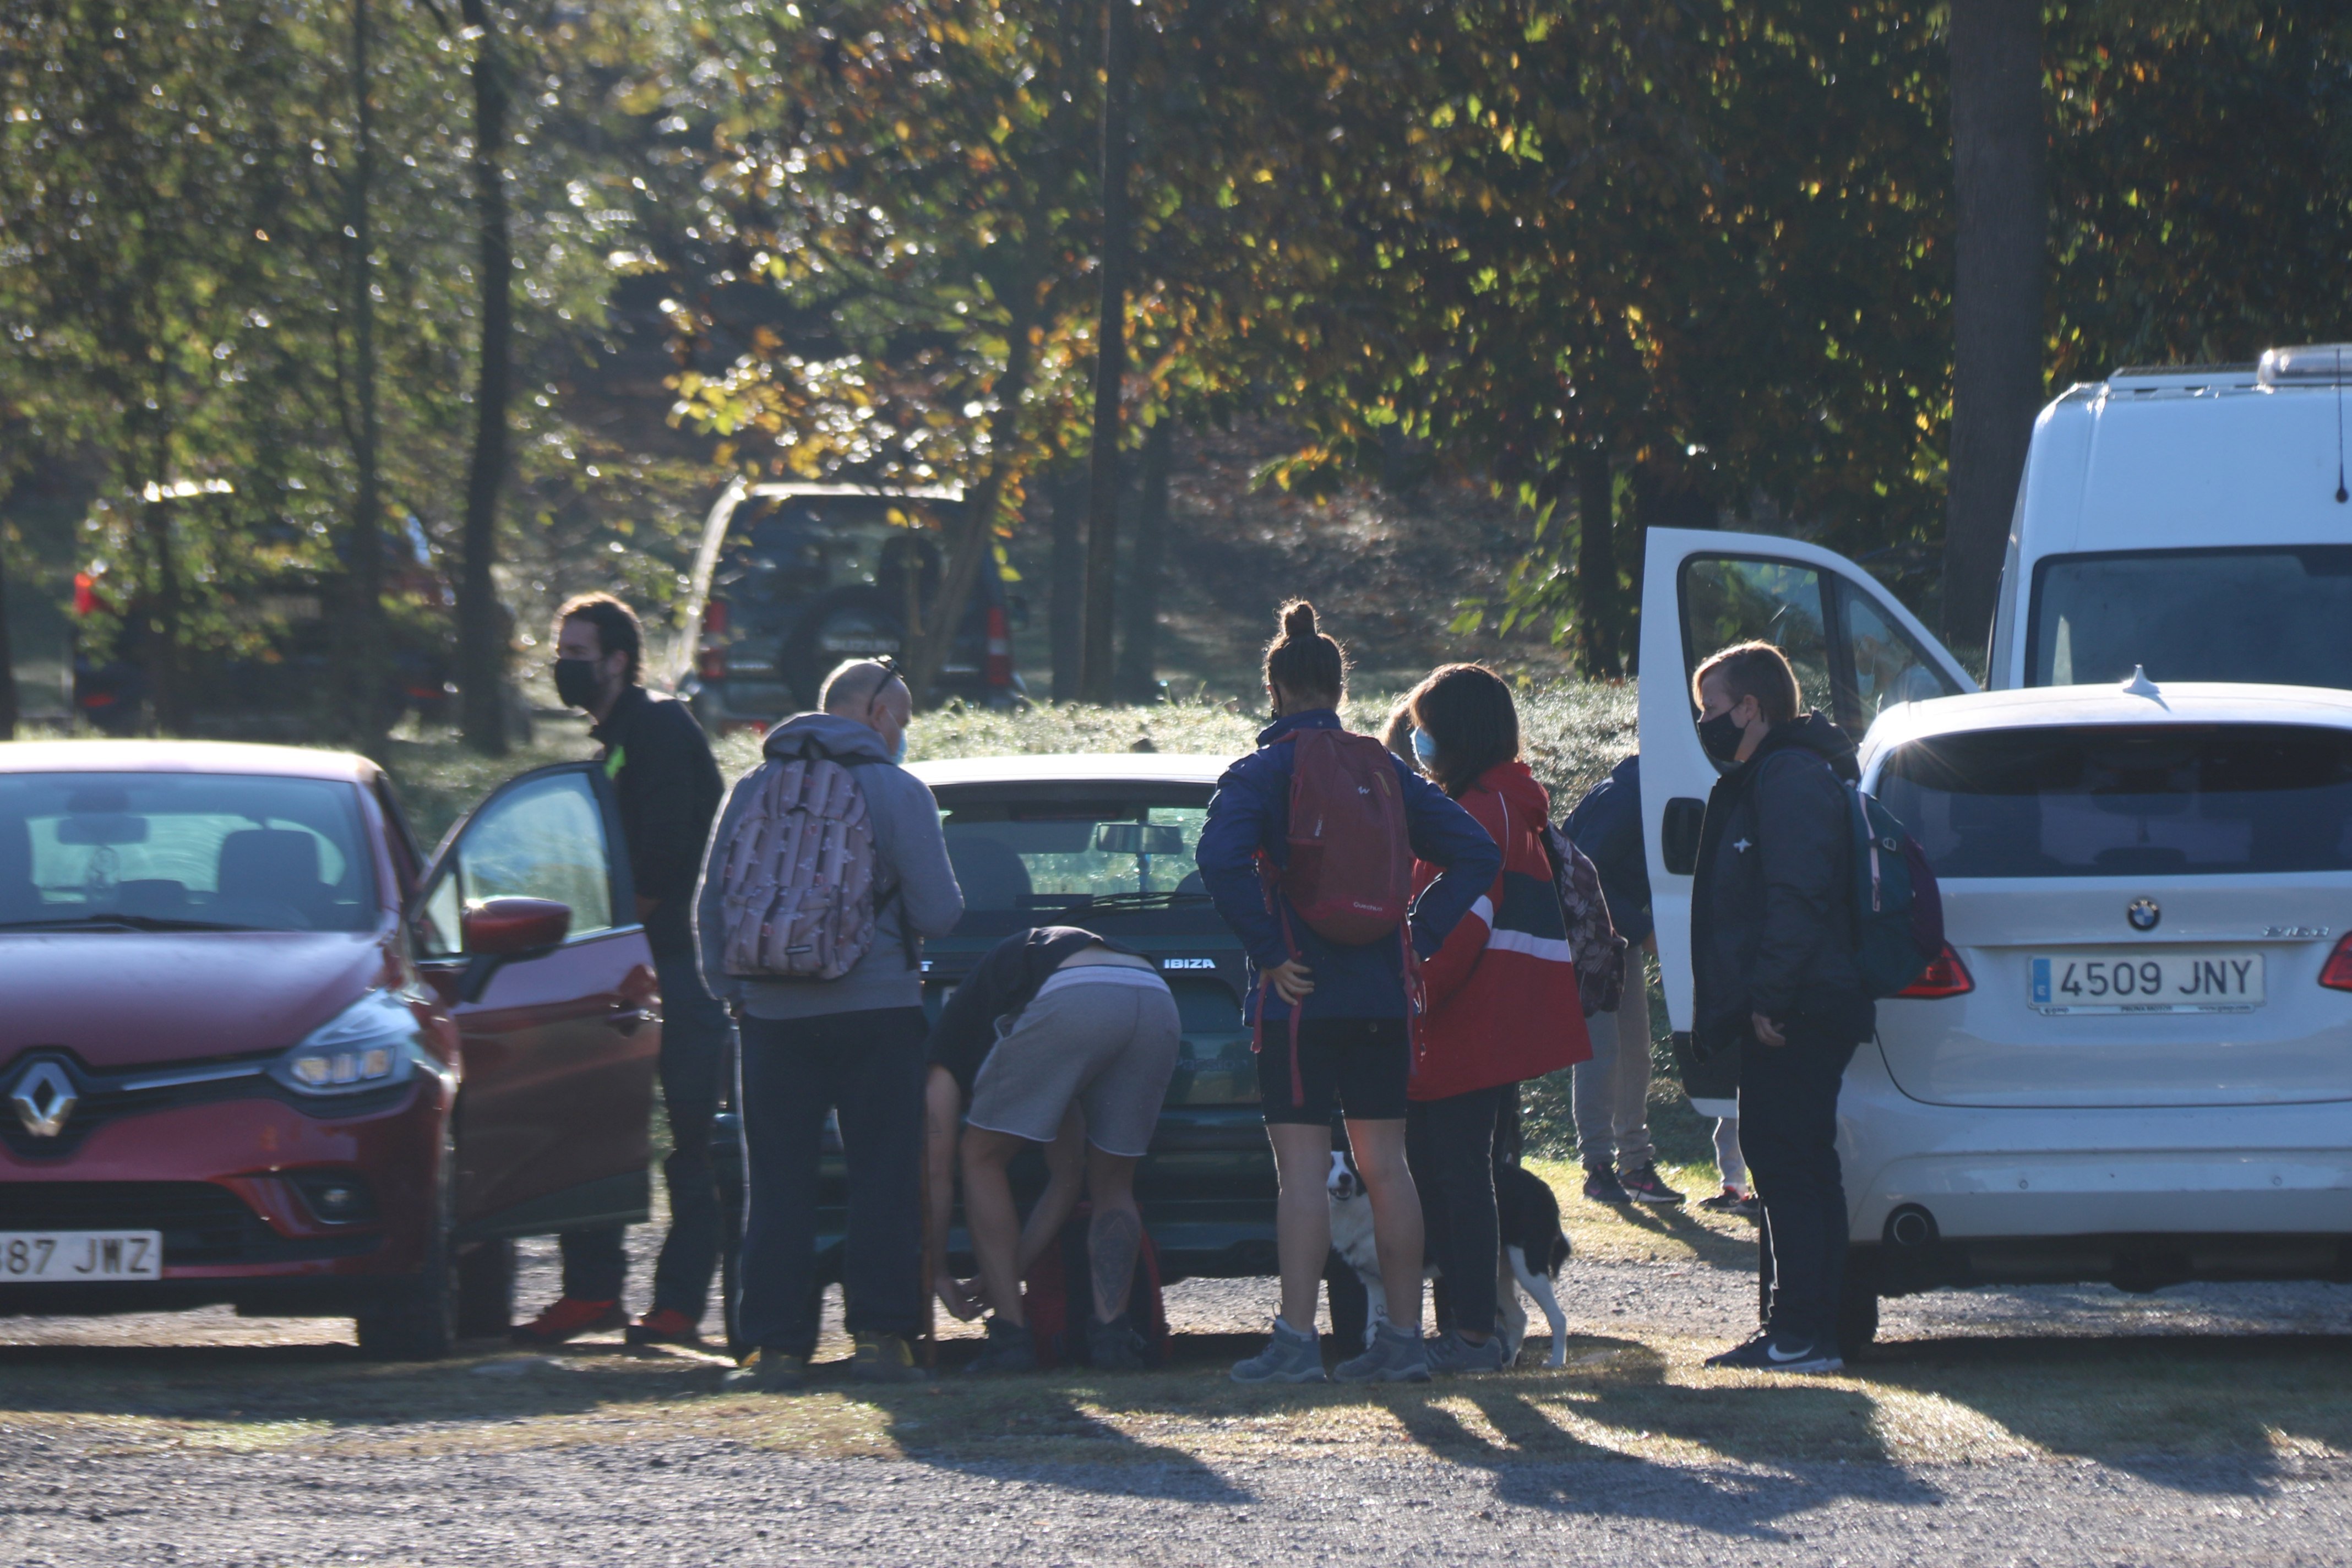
x=1596, y=560
x=2000, y=154
x=1066, y=606
x=1139, y=649
x=974, y=536
x=1098, y=650
x=481, y=637
x=368, y=676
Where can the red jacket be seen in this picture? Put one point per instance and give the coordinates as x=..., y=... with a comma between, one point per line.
x=1503, y=1005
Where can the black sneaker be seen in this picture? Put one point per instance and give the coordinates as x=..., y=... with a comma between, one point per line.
x=1116, y=1346
x=1765, y=1354
x=1725, y=1202
x=1601, y=1186
x=1011, y=1348
x=1643, y=1185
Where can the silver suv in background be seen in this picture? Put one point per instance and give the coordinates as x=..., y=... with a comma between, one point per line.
x=791, y=579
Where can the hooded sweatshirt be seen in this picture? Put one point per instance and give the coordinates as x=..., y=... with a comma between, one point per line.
x=910, y=862
x=1503, y=1005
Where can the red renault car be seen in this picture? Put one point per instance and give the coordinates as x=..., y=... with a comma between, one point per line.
x=256, y=1049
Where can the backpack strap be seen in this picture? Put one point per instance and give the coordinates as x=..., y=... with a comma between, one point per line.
x=908, y=943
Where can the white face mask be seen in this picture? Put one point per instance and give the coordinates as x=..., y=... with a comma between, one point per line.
x=1424, y=748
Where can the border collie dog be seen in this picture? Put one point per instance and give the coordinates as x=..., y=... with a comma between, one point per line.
x=1534, y=1250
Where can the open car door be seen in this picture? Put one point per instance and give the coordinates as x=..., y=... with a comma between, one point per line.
x=1855, y=650
x=561, y=1042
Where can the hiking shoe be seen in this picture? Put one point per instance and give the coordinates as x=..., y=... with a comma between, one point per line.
x=1450, y=1352
x=1751, y=1209
x=664, y=1326
x=1116, y=1346
x=1011, y=1348
x=1288, y=1357
x=1643, y=1185
x=1765, y=1354
x=1601, y=1186
x=886, y=1358
x=769, y=1372
x=568, y=1320
x=1397, y=1356
x=1728, y=1201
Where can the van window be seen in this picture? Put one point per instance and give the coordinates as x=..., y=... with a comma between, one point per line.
x=2127, y=801
x=2281, y=617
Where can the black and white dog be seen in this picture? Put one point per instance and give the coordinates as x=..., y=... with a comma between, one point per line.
x=1534, y=1251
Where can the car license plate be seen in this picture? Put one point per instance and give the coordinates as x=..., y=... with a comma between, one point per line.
x=80, y=1257
x=2174, y=981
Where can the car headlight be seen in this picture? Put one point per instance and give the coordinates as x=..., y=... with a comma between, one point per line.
x=371, y=1044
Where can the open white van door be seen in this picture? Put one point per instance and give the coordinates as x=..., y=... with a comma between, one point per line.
x=1855, y=650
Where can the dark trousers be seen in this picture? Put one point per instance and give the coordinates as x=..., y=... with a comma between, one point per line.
x=1788, y=1130
x=694, y=1035
x=870, y=1066
x=1450, y=1144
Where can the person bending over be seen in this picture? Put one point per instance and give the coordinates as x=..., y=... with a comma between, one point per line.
x=1055, y=1024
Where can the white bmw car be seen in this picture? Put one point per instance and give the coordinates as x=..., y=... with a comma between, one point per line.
x=2134, y=1063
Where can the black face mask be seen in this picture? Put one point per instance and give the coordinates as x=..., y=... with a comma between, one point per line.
x=575, y=682
x=1721, y=736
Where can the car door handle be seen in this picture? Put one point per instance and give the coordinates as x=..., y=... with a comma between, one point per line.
x=628, y=1018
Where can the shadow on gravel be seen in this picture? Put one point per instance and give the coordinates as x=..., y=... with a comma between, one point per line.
x=1710, y=1245
x=2145, y=1403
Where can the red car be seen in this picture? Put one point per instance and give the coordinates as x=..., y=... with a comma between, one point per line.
x=255, y=1050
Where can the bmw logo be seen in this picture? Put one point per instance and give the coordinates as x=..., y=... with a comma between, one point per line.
x=2143, y=913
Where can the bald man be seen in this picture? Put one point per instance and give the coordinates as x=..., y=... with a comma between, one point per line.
x=855, y=1045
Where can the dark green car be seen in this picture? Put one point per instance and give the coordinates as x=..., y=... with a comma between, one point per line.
x=1106, y=842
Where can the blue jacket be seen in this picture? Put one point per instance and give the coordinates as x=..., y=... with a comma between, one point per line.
x=1251, y=811
x=1607, y=825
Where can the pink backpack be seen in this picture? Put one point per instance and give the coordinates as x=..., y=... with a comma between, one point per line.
x=797, y=887
x=1350, y=870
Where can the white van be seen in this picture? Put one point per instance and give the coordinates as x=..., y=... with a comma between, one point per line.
x=2186, y=521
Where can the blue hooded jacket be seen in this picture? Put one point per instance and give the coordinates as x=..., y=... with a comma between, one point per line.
x=1251, y=811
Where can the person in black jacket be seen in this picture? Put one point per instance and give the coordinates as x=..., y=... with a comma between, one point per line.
x=1774, y=972
x=668, y=788
x=1059, y=1037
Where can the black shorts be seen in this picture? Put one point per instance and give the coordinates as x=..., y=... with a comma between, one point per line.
x=1365, y=1063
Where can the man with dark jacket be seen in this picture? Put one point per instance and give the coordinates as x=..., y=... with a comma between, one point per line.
x=667, y=787
x=1613, y=1091
x=1774, y=972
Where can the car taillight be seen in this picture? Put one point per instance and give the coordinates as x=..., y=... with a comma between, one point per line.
x=2337, y=974
x=1945, y=976
x=711, y=655
x=1000, y=648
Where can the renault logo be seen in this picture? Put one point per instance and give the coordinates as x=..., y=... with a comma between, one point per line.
x=2143, y=913
x=44, y=1097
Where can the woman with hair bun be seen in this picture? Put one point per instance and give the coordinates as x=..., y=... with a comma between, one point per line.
x=1503, y=1004
x=1341, y=1012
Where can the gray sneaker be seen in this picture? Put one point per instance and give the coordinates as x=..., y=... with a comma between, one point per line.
x=1450, y=1352
x=1288, y=1357
x=1396, y=1356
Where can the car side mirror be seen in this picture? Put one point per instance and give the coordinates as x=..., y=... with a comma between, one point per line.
x=498, y=929
x=503, y=928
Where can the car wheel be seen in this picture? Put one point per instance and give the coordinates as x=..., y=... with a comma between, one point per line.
x=414, y=1317
x=486, y=1289
x=1350, y=1305
x=1857, y=1323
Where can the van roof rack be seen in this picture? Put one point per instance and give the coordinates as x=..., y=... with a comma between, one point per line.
x=2152, y=376
x=2313, y=365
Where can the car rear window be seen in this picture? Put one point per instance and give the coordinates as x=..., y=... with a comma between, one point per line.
x=1053, y=858
x=249, y=852
x=2127, y=801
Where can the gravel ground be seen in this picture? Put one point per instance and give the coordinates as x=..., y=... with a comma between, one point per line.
x=84, y=1490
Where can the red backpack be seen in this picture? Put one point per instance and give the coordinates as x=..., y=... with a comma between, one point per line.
x=1350, y=870
x=1059, y=1298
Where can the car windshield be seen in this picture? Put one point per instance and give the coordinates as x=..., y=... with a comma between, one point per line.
x=2280, y=617
x=183, y=851
x=2116, y=801
x=1043, y=857
x=789, y=548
